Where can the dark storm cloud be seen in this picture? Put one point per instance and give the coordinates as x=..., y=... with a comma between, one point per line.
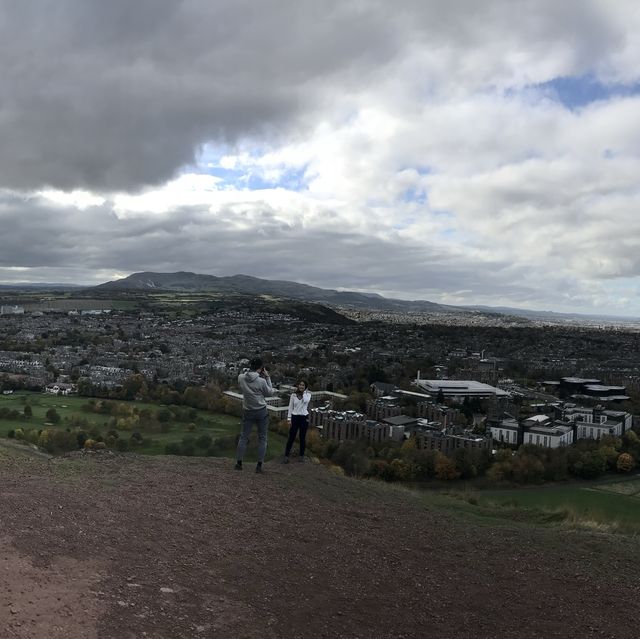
x=112, y=95
x=116, y=94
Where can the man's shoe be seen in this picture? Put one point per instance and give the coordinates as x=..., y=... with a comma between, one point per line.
x=259, y=469
x=238, y=466
x=285, y=460
x=302, y=460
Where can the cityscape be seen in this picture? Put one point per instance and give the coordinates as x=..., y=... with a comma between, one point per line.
x=319, y=320
x=453, y=390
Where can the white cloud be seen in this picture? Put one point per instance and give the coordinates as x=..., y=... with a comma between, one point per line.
x=410, y=148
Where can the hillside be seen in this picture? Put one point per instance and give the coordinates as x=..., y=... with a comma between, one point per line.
x=117, y=547
x=247, y=285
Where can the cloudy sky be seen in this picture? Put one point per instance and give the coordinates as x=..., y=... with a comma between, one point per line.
x=459, y=151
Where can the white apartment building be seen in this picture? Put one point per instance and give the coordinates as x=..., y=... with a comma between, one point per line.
x=594, y=423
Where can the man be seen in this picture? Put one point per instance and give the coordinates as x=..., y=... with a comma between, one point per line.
x=255, y=385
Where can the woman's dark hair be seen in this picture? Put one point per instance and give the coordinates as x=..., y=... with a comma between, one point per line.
x=303, y=381
x=255, y=364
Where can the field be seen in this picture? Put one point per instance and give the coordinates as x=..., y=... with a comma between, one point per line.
x=217, y=426
x=609, y=506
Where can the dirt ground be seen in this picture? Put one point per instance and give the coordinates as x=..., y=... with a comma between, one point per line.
x=117, y=547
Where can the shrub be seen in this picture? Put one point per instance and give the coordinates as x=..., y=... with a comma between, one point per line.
x=53, y=440
x=445, y=468
x=11, y=434
x=52, y=416
x=81, y=438
x=122, y=445
x=625, y=463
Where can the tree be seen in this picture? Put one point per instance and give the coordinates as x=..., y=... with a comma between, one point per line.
x=527, y=469
x=464, y=462
x=625, y=463
x=440, y=397
x=52, y=416
x=27, y=411
x=445, y=468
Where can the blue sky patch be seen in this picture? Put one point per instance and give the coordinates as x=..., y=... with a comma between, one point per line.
x=575, y=92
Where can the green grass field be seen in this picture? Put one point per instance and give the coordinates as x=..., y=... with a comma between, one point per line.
x=215, y=425
x=608, y=507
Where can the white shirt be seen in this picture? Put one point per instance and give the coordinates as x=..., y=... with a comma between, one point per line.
x=299, y=406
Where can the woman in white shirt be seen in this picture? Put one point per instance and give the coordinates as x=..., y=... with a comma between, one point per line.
x=298, y=416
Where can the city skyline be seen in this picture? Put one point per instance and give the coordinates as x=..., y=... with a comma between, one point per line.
x=437, y=151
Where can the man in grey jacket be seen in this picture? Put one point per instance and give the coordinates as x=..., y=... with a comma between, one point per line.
x=255, y=385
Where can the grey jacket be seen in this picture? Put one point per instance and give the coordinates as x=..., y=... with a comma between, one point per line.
x=254, y=389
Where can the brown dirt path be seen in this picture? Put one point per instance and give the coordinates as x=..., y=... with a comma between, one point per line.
x=117, y=547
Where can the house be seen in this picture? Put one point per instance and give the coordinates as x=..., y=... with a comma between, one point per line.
x=382, y=388
x=60, y=388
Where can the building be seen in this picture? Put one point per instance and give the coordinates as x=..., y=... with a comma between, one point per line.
x=448, y=441
x=586, y=388
x=568, y=424
x=406, y=423
x=459, y=389
x=594, y=423
x=507, y=431
x=350, y=425
x=540, y=430
x=60, y=389
x=550, y=433
x=382, y=388
x=447, y=416
x=382, y=408
x=11, y=310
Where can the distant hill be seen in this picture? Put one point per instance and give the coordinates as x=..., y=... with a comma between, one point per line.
x=247, y=285
x=551, y=316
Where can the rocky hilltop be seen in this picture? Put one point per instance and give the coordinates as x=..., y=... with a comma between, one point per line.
x=117, y=547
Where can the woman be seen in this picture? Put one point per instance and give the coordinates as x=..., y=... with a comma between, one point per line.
x=298, y=416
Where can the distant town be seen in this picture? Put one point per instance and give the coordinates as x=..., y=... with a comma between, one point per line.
x=441, y=385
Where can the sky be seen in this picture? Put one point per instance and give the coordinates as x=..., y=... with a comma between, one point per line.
x=457, y=151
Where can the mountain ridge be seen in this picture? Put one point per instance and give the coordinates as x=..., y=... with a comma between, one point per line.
x=186, y=281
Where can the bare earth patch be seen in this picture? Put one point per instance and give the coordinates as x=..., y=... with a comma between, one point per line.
x=117, y=547
x=51, y=601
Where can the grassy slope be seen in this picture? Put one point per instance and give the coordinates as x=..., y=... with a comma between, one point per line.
x=606, y=506
x=611, y=506
x=217, y=425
